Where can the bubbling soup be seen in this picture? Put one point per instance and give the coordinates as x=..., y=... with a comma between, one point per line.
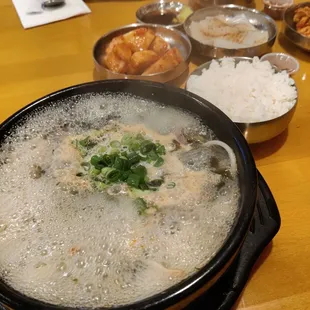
x=109, y=199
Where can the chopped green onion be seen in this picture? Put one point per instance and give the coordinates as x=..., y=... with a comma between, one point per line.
x=126, y=139
x=85, y=165
x=160, y=149
x=170, y=185
x=111, y=174
x=133, y=158
x=84, y=142
x=79, y=147
x=94, y=172
x=108, y=160
x=100, y=185
x=87, y=143
x=159, y=162
x=114, y=152
x=98, y=162
x=140, y=137
x=124, y=176
x=152, y=156
x=102, y=149
x=134, y=146
x=147, y=147
x=114, y=176
x=141, y=205
x=123, y=162
x=120, y=163
x=140, y=171
x=155, y=182
x=143, y=186
x=133, y=180
x=115, y=144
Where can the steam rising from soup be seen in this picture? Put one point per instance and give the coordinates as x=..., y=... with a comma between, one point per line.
x=84, y=225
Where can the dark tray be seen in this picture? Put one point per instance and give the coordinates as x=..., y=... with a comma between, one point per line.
x=265, y=225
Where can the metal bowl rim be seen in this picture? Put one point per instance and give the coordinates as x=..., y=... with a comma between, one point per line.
x=138, y=25
x=161, y=2
x=207, y=64
x=237, y=7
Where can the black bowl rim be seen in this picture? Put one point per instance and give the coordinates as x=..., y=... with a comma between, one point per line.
x=206, y=273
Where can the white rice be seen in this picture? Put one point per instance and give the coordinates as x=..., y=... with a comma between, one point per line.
x=245, y=92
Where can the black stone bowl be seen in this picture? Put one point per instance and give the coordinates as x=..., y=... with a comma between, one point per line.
x=182, y=293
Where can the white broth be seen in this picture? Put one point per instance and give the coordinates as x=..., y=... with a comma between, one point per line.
x=83, y=225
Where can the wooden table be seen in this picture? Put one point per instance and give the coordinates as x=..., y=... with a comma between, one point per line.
x=38, y=61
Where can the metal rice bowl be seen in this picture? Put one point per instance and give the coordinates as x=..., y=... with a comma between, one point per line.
x=256, y=132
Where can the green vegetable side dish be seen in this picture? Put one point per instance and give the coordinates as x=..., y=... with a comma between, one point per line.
x=122, y=162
